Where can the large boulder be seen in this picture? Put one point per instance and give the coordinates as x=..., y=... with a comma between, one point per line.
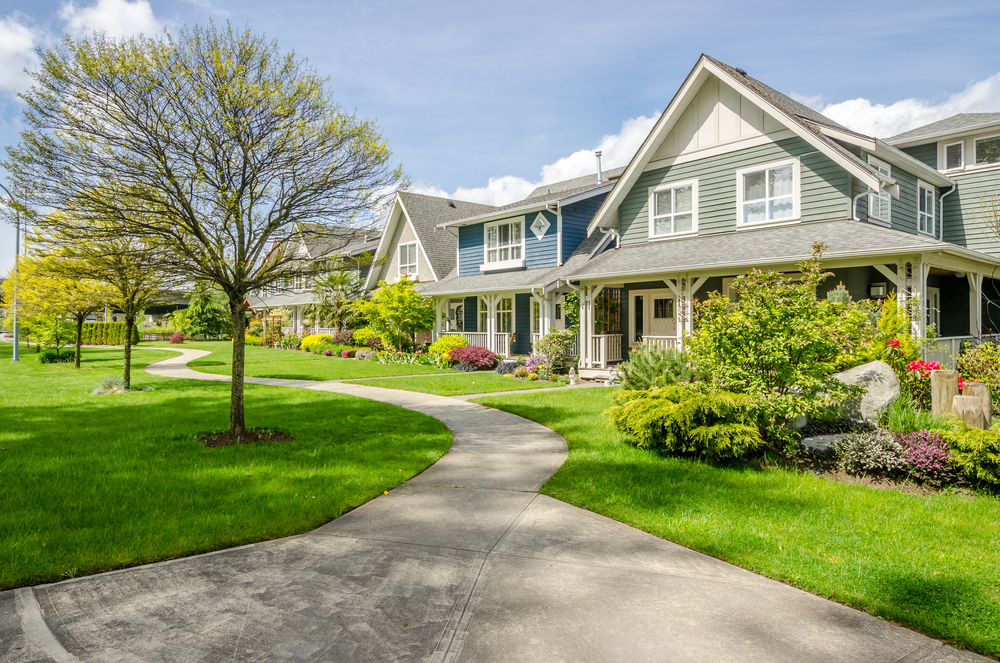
x=881, y=389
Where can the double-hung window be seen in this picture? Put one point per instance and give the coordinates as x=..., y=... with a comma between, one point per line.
x=988, y=151
x=505, y=315
x=504, y=244
x=768, y=193
x=484, y=314
x=925, y=208
x=408, y=260
x=673, y=209
x=879, y=201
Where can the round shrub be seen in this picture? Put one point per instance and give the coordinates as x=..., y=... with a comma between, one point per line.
x=360, y=336
x=445, y=344
x=374, y=343
x=475, y=355
x=871, y=451
x=343, y=337
x=309, y=343
x=365, y=355
x=328, y=352
x=926, y=456
x=51, y=357
x=177, y=337
x=521, y=371
x=253, y=341
x=532, y=377
x=508, y=367
x=467, y=368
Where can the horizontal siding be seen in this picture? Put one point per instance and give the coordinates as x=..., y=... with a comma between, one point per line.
x=902, y=210
x=575, y=218
x=825, y=188
x=540, y=252
x=962, y=206
x=924, y=153
x=470, y=249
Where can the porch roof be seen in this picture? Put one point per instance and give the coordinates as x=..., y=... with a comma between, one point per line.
x=765, y=246
x=520, y=280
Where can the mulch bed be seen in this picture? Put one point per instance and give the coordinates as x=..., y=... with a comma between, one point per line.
x=212, y=440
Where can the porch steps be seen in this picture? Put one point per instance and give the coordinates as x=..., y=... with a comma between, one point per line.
x=601, y=374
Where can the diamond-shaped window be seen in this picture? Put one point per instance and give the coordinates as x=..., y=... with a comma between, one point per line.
x=540, y=226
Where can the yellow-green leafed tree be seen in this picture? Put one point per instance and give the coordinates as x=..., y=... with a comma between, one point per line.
x=44, y=290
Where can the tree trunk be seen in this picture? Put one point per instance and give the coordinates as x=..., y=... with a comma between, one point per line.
x=236, y=423
x=127, y=373
x=79, y=337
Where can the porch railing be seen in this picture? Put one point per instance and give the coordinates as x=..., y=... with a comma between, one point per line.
x=661, y=342
x=605, y=349
x=498, y=342
x=944, y=350
x=573, y=351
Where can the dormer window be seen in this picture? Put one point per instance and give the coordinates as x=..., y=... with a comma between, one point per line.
x=408, y=260
x=988, y=151
x=879, y=202
x=504, y=244
x=954, y=156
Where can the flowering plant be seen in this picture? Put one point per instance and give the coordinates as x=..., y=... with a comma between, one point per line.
x=328, y=352
x=926, y=455
x=893, y=343
x=918, y=383
x=923, y=367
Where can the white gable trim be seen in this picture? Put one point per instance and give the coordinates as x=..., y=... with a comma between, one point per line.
x=420, y=244
x=380, y=250
x=678, y=105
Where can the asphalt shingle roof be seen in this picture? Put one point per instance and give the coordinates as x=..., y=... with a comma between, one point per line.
x=426, y=212
x=574, y=183
x=953, y=124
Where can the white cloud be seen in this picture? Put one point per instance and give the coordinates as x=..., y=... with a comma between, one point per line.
x=117, y=18
x=17, y=53
x=814, y=102
x=883, y=121
x=617, y=151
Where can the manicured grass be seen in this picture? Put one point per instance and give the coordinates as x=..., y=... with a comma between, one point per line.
x=928, y=562
x=91, y=483
x=289, y=364
x=458, y=384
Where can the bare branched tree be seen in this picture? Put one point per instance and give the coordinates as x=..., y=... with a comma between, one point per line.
x=213, y=142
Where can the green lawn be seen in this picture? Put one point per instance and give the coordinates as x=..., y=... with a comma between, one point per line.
x=928, y=562
x=92, y=483
x=289, y=364
x=457, y=384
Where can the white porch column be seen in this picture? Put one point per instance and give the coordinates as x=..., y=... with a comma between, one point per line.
x=491, y=323
x=918, y=292
x=439, y=305
x=584, y=322
x=298, y=320
x=975, y=304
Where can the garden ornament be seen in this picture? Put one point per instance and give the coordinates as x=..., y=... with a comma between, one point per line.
x=572, y=376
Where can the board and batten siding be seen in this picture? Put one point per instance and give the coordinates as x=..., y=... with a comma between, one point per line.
x=962, y=206
x=825, y=188
x=576, y=217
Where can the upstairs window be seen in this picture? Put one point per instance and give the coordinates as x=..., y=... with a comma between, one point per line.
x=408, y=260
x=769, y=193
x=674, y=209
x=505, y=243
x=879, y=202
x=988, y=151
x=925, y=208
x=954, y=156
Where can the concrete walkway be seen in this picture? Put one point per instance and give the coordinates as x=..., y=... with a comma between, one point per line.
x=465, y=562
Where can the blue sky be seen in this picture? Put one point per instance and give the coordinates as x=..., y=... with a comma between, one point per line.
x=481, y=101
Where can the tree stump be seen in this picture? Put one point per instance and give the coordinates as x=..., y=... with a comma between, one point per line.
x=944, y=388
x=970, y=409
x=982, y=392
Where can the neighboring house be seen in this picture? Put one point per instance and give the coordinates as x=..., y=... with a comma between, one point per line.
x=322, y=252
x=733, y=176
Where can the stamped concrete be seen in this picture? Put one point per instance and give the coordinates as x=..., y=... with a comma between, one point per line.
x=463, y=563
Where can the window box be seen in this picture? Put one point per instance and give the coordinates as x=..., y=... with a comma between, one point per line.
x=768, y=194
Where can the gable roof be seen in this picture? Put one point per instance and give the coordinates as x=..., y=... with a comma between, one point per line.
x=801, y=119
x=539, y=202
x=961, y=123
x=574, y=183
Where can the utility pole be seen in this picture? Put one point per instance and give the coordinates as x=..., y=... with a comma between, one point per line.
x=17, y=252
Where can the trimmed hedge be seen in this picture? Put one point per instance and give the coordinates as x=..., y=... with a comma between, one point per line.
x=107, y=333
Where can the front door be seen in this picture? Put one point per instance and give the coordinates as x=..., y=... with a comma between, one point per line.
x=662, y=322
x=653, y=314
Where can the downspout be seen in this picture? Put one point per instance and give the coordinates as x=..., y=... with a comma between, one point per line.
x=854, y=204
x=941, y=218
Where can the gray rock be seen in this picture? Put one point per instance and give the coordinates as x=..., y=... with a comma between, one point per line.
x=821, y=445
x=881, y=385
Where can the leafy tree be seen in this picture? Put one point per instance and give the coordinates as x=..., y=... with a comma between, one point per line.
x=337, y=292
x=397, y=311
x=207, y=313
x=213, y=142
x=54, y=331
x=44, y=290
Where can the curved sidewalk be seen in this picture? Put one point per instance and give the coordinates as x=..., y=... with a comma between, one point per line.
x=465, y=562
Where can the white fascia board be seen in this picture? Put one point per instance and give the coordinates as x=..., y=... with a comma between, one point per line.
x=495, y=216
x=390, y=226
x=849, y=137
x=647, y=149
x=420, y=244
x=897, y=157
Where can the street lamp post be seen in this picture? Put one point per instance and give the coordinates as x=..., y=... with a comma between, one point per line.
x=17, y=251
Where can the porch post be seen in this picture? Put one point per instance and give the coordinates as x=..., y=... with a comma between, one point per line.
x=491, y=323
x=436, y=330
x=975, y=304
x=584, y=322
x=919, y=292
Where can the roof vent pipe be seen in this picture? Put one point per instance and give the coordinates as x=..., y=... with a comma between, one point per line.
x=597, y=154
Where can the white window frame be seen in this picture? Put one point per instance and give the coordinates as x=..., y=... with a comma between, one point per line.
x=975, y=152
x=944, y=155
x=498, y=312
x=880, y=195
x=921, y=187
x=502, y=264
x=796, y=193
x=399, y=261
x=670, y=186
x=484, y=315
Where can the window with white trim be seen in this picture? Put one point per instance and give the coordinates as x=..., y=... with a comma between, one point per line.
x=925, y=208
x=505, y=315
x=408, y=260
x=768, y=193
x=505, y=243
x=879, y=202
x=954, y=156
x=674, y=209
x=484, y=314
x=536, y=316
x=987, y=150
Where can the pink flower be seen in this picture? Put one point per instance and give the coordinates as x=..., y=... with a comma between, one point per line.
x=894, y=343
x=961, y=383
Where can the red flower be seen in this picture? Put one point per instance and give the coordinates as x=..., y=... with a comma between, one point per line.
x=961, y=383
x=894, y=343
